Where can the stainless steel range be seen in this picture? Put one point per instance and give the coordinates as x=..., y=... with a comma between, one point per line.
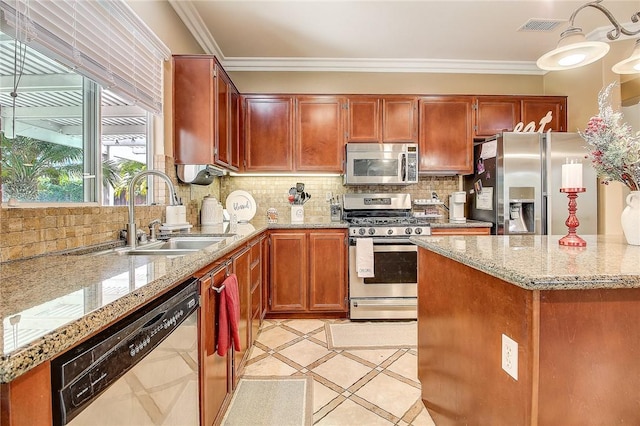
x=383, y=263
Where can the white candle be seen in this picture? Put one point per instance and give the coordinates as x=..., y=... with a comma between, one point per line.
x=572, y=175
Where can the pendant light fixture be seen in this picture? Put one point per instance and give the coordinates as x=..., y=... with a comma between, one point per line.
x=574, y=50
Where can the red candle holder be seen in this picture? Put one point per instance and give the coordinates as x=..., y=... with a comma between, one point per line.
x=572, y=239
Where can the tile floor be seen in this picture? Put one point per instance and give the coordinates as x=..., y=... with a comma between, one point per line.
x=351, y=387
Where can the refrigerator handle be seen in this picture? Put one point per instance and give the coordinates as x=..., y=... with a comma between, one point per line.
x=545, y=219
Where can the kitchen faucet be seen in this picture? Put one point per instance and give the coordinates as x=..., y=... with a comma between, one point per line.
x=131, y=227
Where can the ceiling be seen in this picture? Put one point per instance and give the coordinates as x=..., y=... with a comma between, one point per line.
x=479, y=36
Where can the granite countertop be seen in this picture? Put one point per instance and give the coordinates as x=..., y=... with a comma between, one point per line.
x=537, y=262
x=468, y=224
x=50, y=303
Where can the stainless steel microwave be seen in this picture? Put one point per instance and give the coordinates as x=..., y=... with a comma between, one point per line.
x=381, y=164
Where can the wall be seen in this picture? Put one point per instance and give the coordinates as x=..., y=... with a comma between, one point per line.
x=387, y=83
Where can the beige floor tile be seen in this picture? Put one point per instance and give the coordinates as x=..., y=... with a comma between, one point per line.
x=423, y=419
x=275, y=337
x=305, y=326
x=351, y=414
x=374, y=356
x=322, y=395
x=321, y=335
x=255, y=352
x=304, y=352
x=389, y=394
x=269, y=366
x=406, y=366
x=342, y=370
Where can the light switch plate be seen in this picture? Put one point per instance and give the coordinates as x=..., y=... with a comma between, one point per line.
x=510, y=356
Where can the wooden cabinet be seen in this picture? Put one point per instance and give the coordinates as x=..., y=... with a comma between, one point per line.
x=327, y=271
x=294, y=133
x=399, y=119
x=363, y=119
x=382, y=119
x=495, y=114
x=241, y=267
x=446, y=134
x=215, y=371
x=27, y=399
x=535, y=108
x=204, y=113
x=256, y=268
x=308, y=272
x=319, y=134
x=288, y=271
x=268, y=133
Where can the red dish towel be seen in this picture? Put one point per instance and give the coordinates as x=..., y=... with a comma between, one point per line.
x=229, y=316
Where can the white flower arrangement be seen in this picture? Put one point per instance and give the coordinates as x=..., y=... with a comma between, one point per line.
x=615, y=150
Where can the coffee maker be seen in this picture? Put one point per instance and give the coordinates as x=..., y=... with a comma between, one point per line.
x=456, y=207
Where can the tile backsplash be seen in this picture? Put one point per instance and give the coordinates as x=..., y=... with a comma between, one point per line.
x=33, y=231
x=273, y=191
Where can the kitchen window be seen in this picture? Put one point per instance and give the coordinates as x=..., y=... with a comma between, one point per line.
x=78, y=87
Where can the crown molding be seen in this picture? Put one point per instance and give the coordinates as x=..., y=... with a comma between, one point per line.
x=381, y=65
x=194, y=23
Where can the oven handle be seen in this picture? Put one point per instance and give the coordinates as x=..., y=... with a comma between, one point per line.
x=385, y=241
x=396, y=304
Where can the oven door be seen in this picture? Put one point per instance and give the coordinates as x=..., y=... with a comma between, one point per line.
x=393, y=291
x=395, y=270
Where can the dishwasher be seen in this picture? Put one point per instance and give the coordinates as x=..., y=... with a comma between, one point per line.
x=142, y=370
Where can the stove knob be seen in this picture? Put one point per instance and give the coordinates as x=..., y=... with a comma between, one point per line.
x=372, y=231
x=407, y=231
x=361, y=231
x=418, y=230
x=389, y=231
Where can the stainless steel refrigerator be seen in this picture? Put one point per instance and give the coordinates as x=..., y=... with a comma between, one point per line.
x=517, y=179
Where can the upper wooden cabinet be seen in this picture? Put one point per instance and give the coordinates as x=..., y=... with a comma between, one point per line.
x=268, y=133
x=382, y=119
x=496, y=114
x=205, y=113
x=319, y=134
x=446, y=135
x=294, y=133
x=536, y=108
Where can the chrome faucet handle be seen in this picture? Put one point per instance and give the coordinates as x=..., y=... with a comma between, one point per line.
x=152, y=229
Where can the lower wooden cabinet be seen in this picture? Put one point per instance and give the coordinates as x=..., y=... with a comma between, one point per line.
x=219, y=375
x=308, y=272
x=27, y=399
x=215, y=370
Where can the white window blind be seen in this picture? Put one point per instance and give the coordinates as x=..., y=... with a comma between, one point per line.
x=101, y=39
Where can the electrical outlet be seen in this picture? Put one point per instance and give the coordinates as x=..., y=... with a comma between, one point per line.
x=510, y=356
x=328, y=196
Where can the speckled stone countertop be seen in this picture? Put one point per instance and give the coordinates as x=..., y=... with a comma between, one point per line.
x=538, y=262
x=467, y=224
x=50, y=303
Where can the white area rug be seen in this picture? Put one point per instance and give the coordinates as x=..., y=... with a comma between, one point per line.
x=268, y=401
x=357, y=335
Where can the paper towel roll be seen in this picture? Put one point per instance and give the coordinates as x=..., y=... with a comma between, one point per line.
x=176, y=215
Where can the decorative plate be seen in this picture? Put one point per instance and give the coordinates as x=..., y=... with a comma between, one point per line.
x=242, y=204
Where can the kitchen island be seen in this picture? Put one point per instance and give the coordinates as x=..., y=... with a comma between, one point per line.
x=565, y=322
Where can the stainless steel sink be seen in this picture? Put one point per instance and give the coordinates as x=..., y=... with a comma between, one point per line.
x=175, y=246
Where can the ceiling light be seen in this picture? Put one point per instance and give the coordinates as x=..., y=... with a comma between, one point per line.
x=574, y=50
x=631, y=65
